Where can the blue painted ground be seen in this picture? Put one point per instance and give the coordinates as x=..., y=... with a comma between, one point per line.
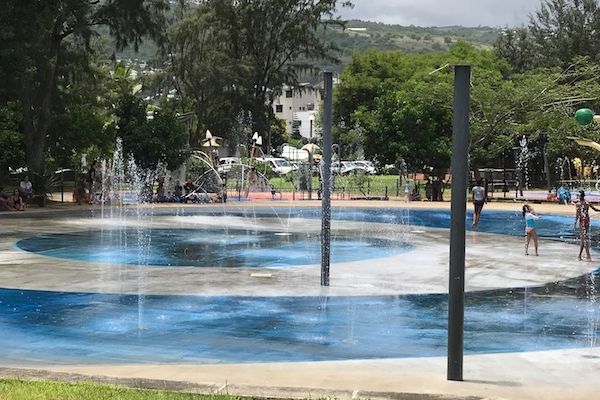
x=79, y=327
x=212, y=247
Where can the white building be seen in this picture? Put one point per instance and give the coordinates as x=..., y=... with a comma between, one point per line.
x=298, y=106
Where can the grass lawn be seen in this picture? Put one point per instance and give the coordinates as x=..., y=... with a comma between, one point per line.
x=14, y=389
x=372, y=184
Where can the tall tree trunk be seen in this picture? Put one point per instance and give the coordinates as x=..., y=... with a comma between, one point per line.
x=36, y=106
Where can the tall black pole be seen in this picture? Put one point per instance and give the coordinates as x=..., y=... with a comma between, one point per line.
x=460, y=150
x=326, y=200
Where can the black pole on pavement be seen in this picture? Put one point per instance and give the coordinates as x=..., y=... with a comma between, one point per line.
x=326, y=199
x=460, y=151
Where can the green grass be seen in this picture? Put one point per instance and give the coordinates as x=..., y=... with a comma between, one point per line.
x=367, y=185
x=14, y=389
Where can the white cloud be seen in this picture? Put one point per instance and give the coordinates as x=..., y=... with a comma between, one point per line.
x=444, y=12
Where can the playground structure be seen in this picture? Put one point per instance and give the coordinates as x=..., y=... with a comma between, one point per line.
x=246, y=175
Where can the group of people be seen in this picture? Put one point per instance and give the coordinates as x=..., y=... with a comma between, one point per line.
x=86, y=187
x=179, y=195
x=581, y=225
x=188, y=192
x=562, y=195
x=18, y=199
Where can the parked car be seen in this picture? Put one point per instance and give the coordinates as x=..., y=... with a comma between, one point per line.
x=280, y=166
x=366, y=166
x=227, y=163
x=344, y=167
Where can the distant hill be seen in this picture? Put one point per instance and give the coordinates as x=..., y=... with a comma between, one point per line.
x=362, y=35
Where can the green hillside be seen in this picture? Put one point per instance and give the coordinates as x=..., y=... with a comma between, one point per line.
x=363, y=35
x=406, y=38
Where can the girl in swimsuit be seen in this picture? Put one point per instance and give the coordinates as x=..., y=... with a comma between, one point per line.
x=582, y=215
x=530, y=233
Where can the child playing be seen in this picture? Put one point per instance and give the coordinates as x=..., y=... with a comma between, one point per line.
x=530, y=220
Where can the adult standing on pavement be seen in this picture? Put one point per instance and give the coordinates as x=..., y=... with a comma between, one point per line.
x=91, y=180
x=26, y=189
x=479, y=198
x=582, y=216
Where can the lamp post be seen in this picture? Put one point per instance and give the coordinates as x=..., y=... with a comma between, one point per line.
x=311, y=119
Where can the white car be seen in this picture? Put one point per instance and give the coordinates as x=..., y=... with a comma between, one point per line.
x=344, y=167
x=280, y=166
x=227, y=163
x=366, y=166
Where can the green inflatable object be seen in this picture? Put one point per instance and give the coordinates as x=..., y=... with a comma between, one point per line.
x=584, y=116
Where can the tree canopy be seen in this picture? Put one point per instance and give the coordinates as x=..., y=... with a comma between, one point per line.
x=33, y=53
x=396, y=105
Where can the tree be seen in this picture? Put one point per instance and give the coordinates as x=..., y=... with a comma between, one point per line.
x=400, y=105
x=205, y=70
x=564, y=29
x=558, y=32
x=150, y=141
x=78, y=129
x=516, y=46
x=32, y=52
x=83, y=119
x=274, y=42
x=12, y=149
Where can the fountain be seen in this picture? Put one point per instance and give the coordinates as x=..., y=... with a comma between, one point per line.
x=132, y=282
x=522, y=170
x=224, y=283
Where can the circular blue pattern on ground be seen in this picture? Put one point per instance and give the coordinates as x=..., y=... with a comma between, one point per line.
x=223, y=248
x=82, y=327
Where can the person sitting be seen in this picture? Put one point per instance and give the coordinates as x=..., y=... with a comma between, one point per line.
x=26, y=189
x=160, y=193
x=17, y=200
x=415, y=195
x=189, y=187
x=5, y=202
x=564, y=195
x=552, y=196
x=79, y=192
x=177, y=194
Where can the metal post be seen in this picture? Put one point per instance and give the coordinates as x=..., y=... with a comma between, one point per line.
x=62, y=187
x=310, y=166
x=460, y=150
x=326, y=200
x=544, y=140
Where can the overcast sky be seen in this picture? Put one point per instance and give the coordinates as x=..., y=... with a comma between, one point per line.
x=444, y=12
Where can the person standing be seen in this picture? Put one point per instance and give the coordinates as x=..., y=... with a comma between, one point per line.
x=582, y=216
x=26, y=189
x=479, y=198
x=91, y=180
x=407, y=190
x=530, y=232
